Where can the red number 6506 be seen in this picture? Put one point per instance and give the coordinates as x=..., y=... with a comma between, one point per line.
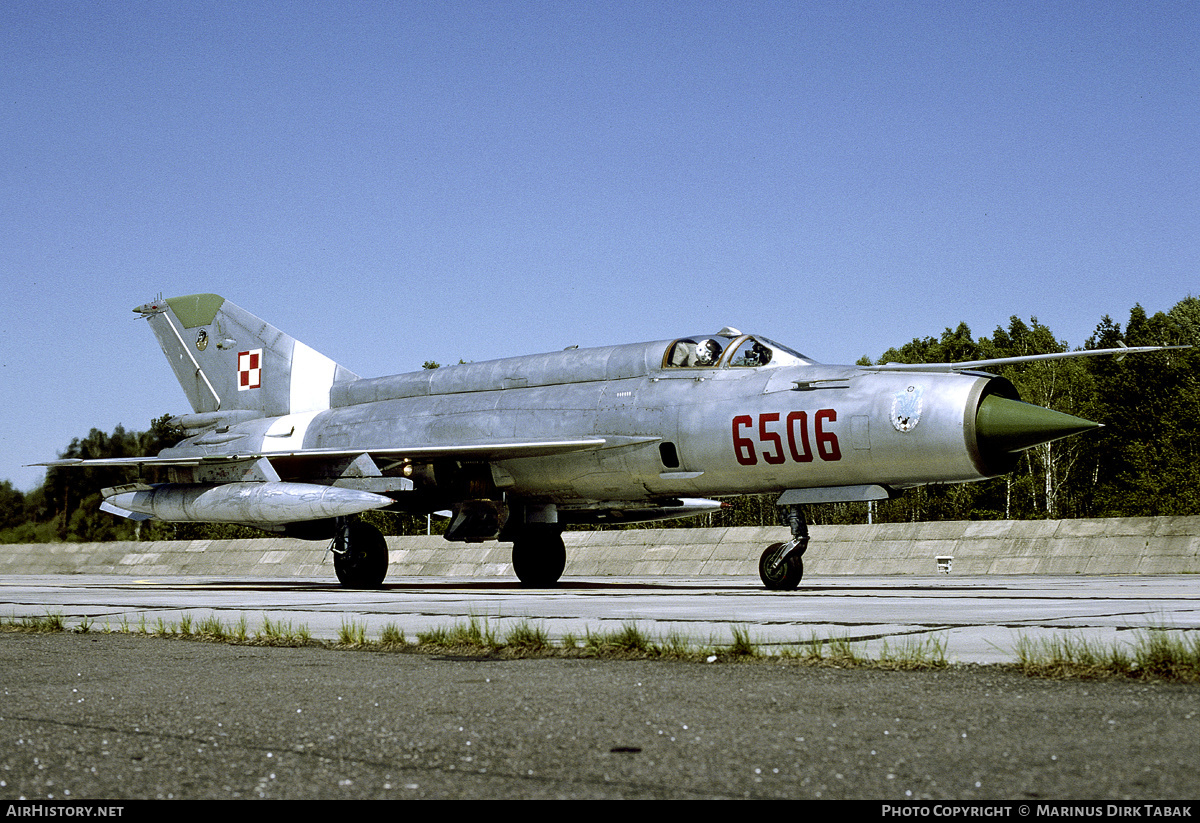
x=773, y=432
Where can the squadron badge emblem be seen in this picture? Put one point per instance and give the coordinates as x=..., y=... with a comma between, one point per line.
x=906, y=409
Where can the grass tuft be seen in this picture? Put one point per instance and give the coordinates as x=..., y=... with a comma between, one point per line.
x=743, y=647
x=524, y=638
x=628, y=641
x=925, y=653
x=475, y=635
x=281, y=633
x=1157, y=654
x=35, y=624
x=1167, y=655
x=211, y=629
x=352, y=634
x=678, y=647
x=392, y=635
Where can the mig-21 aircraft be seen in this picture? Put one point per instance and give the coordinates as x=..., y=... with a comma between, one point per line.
x=284, y=439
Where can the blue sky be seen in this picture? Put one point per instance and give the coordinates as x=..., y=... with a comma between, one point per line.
x=396, y=182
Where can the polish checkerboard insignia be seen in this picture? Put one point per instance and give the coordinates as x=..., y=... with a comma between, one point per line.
x=250, y=369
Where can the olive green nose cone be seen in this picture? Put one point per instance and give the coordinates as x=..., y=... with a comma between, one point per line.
x=1012, y=425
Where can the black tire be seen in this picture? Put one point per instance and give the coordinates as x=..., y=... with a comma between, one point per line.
x=360, y=556
x=539, y=559
x=785, y=578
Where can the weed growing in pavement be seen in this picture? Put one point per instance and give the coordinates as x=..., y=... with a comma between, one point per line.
x=1158, y=654
x=352, y=634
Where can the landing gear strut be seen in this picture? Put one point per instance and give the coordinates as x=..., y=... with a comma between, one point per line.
x=539, y=556
x=782, y=565
x=360, y=555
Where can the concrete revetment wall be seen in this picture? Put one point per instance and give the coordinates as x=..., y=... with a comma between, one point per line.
x=1137, y=545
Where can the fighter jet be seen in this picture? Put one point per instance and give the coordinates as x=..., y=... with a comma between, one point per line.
x=282, y=438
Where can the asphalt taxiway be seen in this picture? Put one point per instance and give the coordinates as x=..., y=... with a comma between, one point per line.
x=118, y=716
x=974, y=619
x=130, y=716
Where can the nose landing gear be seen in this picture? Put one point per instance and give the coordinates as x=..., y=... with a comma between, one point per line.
x=781, y=565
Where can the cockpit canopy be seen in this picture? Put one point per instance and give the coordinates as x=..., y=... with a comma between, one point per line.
x=729, y=348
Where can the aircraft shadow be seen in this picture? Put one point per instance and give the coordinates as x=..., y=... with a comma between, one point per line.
x=565, y=586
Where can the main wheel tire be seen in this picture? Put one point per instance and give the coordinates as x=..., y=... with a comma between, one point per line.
x=539, y=559
x=784, y=578
x=360, y=556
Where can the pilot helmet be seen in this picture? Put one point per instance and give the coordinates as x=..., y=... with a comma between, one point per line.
x=707, y=351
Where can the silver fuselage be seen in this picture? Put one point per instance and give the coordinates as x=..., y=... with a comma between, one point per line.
x=667, y=431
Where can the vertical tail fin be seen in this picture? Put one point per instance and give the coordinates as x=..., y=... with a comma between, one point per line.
x=226, y=359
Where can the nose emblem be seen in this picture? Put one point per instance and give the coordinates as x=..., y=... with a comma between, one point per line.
x=906, y=409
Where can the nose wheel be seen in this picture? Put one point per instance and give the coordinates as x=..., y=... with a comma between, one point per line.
x=782, y=564
x=778, y=572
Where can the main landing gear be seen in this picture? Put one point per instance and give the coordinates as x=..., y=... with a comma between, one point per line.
x=539, y=556
x=538, y=553
x=782, y=564
x=360, y=555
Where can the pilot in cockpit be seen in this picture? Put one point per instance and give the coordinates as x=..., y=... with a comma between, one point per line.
x=707, y=352
x=687, y=352
x=751, y=353
x=759, y=355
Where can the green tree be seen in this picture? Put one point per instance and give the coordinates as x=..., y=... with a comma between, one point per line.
x=1143, y=462
x=12, y=506
x=71, y=498
x=1042, y=482
x=1146, y=461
